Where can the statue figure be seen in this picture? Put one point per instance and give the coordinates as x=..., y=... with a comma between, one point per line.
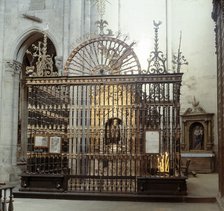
x=59, y=64
x=113, y=131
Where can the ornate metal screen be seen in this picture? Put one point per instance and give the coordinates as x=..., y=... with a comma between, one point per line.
x=106, y=123
x=102, y=122
x=107, y=132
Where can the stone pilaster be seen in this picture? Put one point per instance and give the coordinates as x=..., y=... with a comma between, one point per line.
x=218, y=17
x=9, y=121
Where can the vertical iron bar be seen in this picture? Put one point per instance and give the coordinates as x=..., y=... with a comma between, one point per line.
x=10, y=207
x=4, y=200
x=1, y=203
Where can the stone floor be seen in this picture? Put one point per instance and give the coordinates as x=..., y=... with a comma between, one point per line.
x=203, y=185
x=70, y=205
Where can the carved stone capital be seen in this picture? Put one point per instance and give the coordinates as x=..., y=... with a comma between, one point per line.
x=13, y=66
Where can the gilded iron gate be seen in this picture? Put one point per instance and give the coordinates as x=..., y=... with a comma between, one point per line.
x=107, y=131
x=107, y=123
x=102, y=124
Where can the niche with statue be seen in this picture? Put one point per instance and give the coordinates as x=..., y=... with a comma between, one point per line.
x=197, y=139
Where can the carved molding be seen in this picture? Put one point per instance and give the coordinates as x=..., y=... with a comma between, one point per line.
x=174, y=78
x=32, y=18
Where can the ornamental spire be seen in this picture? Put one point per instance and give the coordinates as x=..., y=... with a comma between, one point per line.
x=157, y=60
x=179, y=59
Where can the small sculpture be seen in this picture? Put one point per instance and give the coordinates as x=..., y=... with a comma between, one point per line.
x=59, y=64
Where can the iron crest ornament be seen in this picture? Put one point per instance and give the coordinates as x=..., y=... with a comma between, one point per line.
x=41, y=63
x=101, y=24
x=157, y=60
x=103, y=55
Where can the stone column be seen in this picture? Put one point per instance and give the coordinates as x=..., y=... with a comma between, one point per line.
x=93, y=19
x=85, y=18
x=218, y=17
x=9, y=121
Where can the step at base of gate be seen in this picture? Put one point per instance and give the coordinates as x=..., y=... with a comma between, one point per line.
x=114, y=197
x=162, y=185
x=43, y=183
x=145, y=185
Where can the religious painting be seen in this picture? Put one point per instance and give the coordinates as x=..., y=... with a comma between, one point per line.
x=197, y=136
x=55, y=144
x=41, y=141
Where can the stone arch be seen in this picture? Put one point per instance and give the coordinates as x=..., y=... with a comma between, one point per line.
x=26, y=39
x=12, y=152
x=25, y=42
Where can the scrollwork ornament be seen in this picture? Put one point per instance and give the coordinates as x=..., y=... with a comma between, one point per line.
x=44, y=63
x=101, y=24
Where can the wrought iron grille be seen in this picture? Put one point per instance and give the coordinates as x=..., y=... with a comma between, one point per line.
x=102, y=122
x=103, y=55
x=106, y=123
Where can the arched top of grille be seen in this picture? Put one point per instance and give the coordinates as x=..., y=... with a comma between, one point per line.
x=103, y=55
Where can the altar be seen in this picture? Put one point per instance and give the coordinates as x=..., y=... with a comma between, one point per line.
x=198, y=139
x=201, y=162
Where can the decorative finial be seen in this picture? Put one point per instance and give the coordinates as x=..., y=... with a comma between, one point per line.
x=179, y=60
x=156, y=62
x=194, y=102
x=157, y=24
